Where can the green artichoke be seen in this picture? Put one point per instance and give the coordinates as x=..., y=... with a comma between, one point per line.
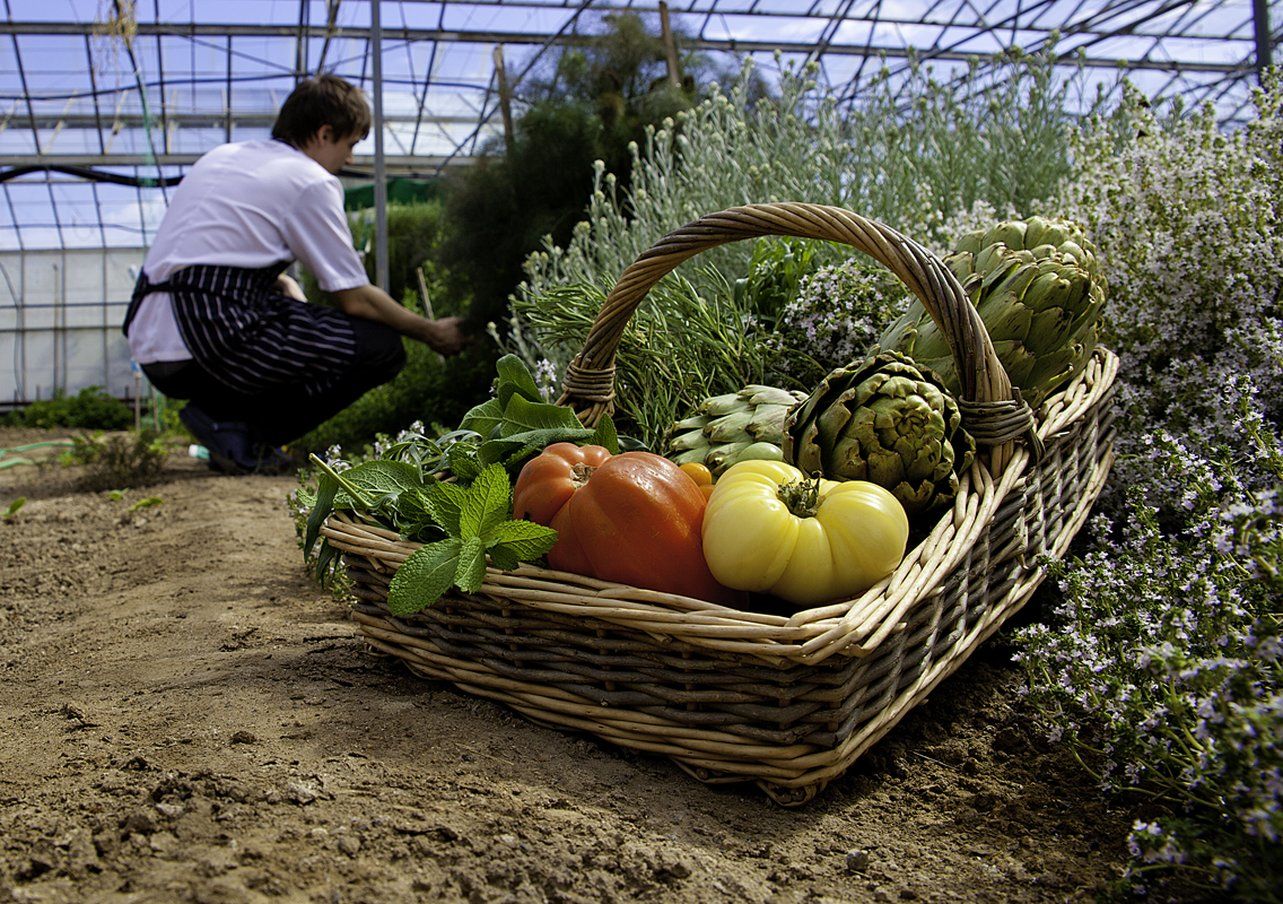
x=884, y=420
x=737, y=426
x=1039, y=290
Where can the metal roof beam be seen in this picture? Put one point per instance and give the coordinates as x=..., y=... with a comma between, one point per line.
x=214, y=119
x=801, y=48
x=207, y=29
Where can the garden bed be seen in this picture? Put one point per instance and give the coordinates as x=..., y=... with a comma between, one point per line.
x=188, y=716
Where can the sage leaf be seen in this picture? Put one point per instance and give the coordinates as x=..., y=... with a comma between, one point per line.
x=515, y=379
x=483, y=418
x=606, y=436
x=383, y=480
x=521, y=415
x=423, y=577
x=471, y=570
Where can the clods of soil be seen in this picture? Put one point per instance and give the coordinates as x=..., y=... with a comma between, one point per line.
x=187, y=716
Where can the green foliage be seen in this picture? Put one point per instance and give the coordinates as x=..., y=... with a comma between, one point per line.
x=89, y=409
x=599, y=97
x=118, y=460
x=414, y=230
x=11, y=511
x=476, y=522
x=908, y=167
x=428, y=389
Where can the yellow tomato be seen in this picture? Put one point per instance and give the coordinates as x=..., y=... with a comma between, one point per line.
x=770, y=529
x=698, y=472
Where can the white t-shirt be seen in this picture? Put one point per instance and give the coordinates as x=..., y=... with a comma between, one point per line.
x=250, y=204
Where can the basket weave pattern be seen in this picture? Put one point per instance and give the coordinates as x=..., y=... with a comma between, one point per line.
x=731, y=695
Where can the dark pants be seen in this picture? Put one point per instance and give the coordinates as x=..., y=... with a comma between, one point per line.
x=283, y=413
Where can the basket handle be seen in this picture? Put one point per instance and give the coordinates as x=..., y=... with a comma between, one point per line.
x=995, y=414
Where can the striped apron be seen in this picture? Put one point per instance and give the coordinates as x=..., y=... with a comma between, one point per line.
x=246, y=334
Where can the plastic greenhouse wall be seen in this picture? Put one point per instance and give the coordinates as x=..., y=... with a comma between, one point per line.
x=60, y=317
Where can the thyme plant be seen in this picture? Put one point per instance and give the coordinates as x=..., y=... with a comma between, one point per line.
x=1163, y=664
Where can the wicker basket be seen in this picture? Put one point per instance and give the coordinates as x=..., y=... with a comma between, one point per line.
x=788, y=702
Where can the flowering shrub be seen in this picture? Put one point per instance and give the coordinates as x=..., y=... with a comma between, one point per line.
x=1189, y=224
x=1163, y=662
x=838, y=312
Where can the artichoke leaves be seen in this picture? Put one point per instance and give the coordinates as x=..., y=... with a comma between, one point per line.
x=1038, y=288
x=886, y=420
x=747, y=425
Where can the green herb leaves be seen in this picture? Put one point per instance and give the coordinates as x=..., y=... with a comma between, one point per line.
x=517, y=423
x=476, y=520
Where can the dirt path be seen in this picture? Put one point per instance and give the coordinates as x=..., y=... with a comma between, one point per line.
x=187, y=717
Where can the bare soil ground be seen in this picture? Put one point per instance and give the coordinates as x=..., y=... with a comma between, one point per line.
x=187, y=716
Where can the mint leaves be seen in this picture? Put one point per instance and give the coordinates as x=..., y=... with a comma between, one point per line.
x=476, y=521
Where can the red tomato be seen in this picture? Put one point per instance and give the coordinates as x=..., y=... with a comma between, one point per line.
x=634, y=518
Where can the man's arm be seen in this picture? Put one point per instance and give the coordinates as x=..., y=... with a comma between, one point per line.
x=369, y=301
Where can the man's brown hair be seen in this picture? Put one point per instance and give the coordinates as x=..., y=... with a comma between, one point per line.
x=325, y=100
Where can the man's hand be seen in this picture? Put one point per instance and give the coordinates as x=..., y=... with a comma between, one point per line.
x=288, y=287
x=443, y=335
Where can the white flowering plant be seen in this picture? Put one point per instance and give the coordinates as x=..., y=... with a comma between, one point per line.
x=1188, y=220
x=837, y=314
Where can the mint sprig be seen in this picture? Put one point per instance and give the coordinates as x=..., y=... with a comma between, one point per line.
x=477, y=523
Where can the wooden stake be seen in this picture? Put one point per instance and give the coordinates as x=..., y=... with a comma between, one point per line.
x=670, y=46
x=505, y=100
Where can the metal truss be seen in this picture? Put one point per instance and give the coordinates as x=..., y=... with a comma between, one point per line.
x=73, y=95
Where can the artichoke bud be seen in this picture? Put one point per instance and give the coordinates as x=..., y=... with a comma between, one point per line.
x=690, y=423
x=722, y=457
x=770, y=395
x=692, y=439
x=1011, y=234
x=759, y=451
x=768, y=422
x=1036, y=229
x=1012, y=273
x=886, y=420
x=690, y=455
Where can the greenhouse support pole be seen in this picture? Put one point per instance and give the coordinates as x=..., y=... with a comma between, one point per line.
x=1264, y=52
x=380, y=168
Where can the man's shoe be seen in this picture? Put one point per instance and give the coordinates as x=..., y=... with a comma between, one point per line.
x=228, y=442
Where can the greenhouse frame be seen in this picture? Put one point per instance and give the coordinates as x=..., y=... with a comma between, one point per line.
x=105, y=106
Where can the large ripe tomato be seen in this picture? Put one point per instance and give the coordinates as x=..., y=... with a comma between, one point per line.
x=634, y=518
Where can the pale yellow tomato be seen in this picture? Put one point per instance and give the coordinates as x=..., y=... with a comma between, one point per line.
x=770, y=529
